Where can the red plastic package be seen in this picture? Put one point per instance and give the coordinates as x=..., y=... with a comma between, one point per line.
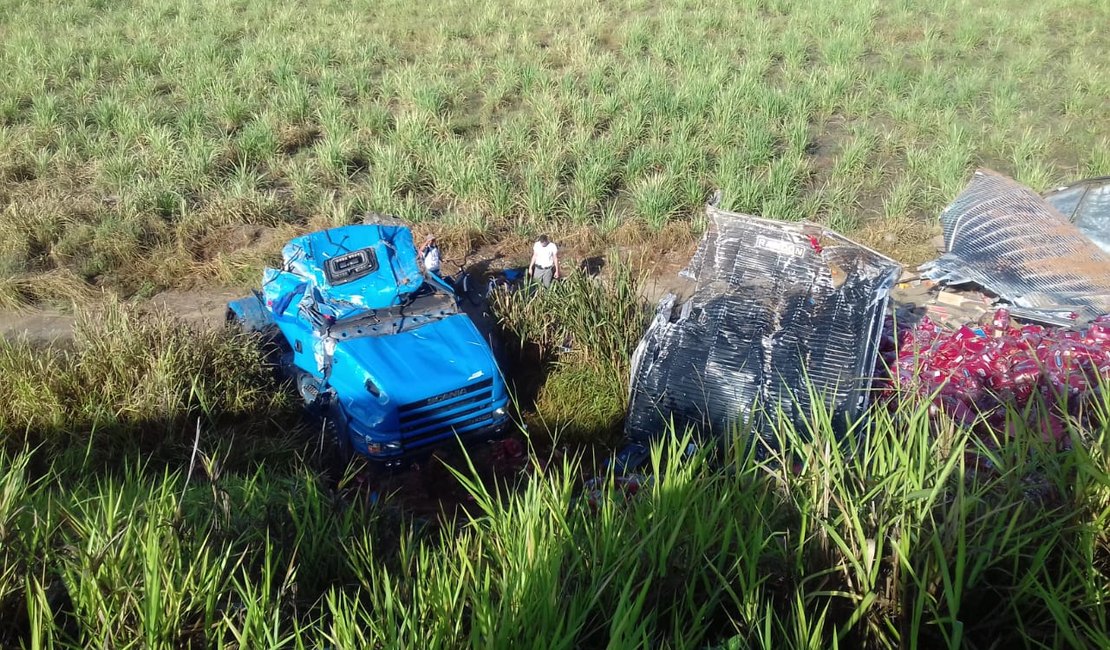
x=977, y=377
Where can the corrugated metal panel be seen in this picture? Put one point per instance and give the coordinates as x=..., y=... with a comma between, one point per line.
x=1087, y=205
x=1007, y=239
x=770, y=319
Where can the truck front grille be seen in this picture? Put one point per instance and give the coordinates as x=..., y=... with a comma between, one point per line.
x=446, y=414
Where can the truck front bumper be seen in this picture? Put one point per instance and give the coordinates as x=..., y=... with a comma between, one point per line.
x=391, y=450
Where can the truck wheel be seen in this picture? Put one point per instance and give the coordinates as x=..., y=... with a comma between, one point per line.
x=317, y=404
x=335, y=426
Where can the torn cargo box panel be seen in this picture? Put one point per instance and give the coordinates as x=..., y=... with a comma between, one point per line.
x=1002, y=236
x=1087, y=205
x=781, y=313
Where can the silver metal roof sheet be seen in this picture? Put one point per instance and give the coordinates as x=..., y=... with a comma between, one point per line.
x=1002, y=236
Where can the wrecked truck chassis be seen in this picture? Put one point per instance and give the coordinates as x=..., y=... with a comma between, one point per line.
x=381, y=351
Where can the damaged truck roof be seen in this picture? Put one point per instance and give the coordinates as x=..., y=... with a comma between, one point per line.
x=1002, y=236
x=779, y=314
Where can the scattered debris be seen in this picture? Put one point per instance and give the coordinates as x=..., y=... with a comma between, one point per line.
x=775, y=308
x=975, y=362
x=1005, y=238
x=918, y=298
x=783, y=314
x=596, y=490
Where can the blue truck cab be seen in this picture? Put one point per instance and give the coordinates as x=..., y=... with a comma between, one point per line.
x=376, y=346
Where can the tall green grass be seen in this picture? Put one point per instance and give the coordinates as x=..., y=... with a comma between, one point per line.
x=147, y=514
x=572, y=344
x=133, y=379
x=901, y=541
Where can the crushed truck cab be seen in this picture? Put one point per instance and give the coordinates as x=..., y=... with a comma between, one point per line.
x=374, y=345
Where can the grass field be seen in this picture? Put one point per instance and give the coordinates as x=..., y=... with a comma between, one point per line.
x=157, y=490
x=157, y=143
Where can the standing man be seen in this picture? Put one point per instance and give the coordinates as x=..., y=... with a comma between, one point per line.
x=544, y=266
x=429, y=253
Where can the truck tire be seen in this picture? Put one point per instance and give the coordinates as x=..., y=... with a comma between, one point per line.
x=317, y=403
x=232, y=321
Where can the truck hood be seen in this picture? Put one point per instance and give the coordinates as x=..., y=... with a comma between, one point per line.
x=441, y=356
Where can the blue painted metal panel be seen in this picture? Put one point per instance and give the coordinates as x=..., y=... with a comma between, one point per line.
x=395, y=272
x=251, y=314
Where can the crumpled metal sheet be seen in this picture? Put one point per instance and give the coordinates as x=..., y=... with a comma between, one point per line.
x=391, y=275
x=780, y=314
x=1002, y=236
x=1087, y=205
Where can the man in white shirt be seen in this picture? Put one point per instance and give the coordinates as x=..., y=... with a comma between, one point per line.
x=429, y=253
x=544, y=266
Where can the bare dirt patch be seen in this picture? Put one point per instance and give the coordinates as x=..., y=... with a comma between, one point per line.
x=202, y=308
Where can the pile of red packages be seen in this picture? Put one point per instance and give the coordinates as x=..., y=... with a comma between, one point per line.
x=978, y=373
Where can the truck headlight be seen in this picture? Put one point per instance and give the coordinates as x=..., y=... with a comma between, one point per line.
x=376, y=448
x=500, y=412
